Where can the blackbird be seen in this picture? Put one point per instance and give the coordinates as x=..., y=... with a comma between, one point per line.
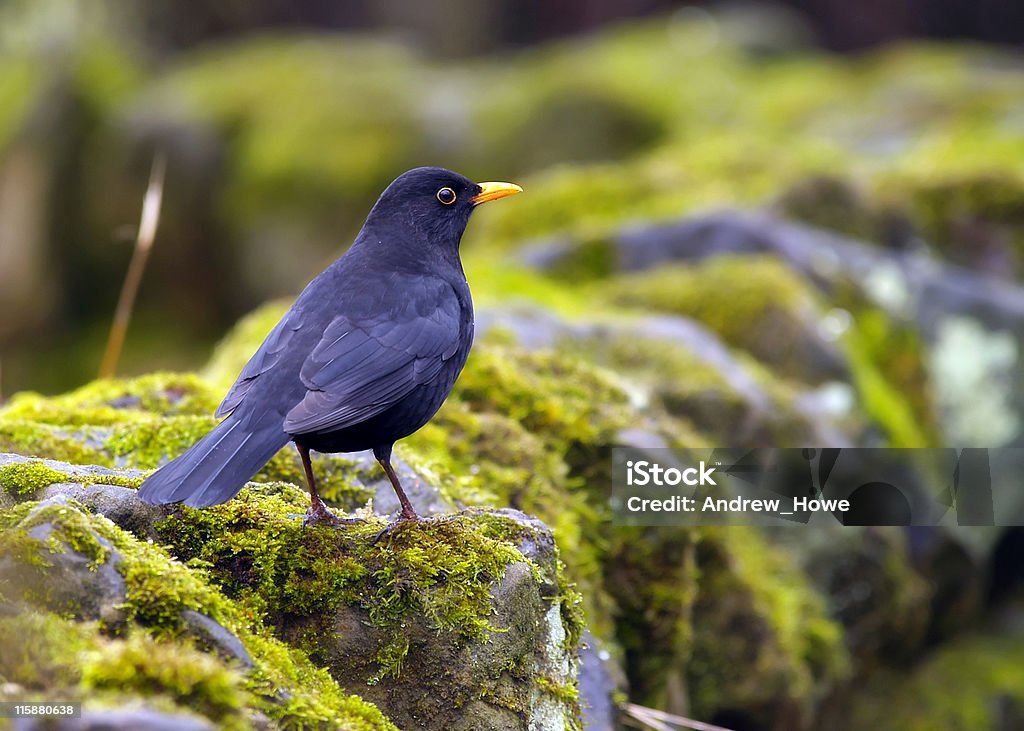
x=365, y=357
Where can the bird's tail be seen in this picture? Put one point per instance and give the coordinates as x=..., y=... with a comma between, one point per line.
x=216, y=467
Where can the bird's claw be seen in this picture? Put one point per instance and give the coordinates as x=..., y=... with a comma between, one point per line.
x=323, y=516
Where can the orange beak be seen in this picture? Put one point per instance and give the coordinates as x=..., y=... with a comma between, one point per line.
x=494, y=191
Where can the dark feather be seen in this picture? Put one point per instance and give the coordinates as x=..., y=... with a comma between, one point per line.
x=268, y=355
x=361, y=367
x=216, y=467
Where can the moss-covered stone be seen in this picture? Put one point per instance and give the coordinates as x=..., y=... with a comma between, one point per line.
x=753, y=303
x=21, y=479
x=799, y=654
x=140, y=665
x=26, y=478
x=256, y=549
x=421, y=588
x=35, y=439
x=577, y=407
x=710, y=406
x=144, y=651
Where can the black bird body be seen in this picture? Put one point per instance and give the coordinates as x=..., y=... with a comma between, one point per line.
x=365, y=357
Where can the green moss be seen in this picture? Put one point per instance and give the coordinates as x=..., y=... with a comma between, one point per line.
x=549, y=393
x=41, y=651
x=114, y=401
x=788, y=651
x=138, y=664
x=653, y=575
x=561, y=691
x=888, y=372
x=258, y=551
x=720, y=617
x=18, y=91
x=148, y=443
x=27, y=477
x=976, y=682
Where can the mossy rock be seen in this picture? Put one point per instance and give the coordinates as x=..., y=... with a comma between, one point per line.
x=719, y=395
x=718, y=624
x=145, y=422
x=750, y=590
x=874, y=588
x=415, y=622
x=142, y=650
x=756, y=304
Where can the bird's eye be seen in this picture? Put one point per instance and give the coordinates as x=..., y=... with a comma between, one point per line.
x=446, y=196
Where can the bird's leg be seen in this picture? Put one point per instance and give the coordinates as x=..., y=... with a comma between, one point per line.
x=318, y=513
x=383, y=455
x=408, y=515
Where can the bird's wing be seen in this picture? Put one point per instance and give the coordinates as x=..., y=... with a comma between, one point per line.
x=265, y=358
x=364, y=364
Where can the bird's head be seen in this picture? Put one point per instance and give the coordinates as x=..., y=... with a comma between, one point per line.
x=433, y=204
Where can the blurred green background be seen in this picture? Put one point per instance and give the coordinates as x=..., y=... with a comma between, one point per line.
x=283, y=121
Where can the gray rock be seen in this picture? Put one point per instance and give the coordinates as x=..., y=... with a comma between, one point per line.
x=93, y=488
x=532, y=326
x=215, y=636
x=63, y=579
x=450, y=682
x=120, y=504
x=425, y=497
x=600, y=680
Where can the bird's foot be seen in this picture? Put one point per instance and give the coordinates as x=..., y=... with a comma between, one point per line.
x=322, y=516
x=408, y=520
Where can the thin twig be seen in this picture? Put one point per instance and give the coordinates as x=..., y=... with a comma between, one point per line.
x=643, y=721
x=661, y=721
x=133, y=277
